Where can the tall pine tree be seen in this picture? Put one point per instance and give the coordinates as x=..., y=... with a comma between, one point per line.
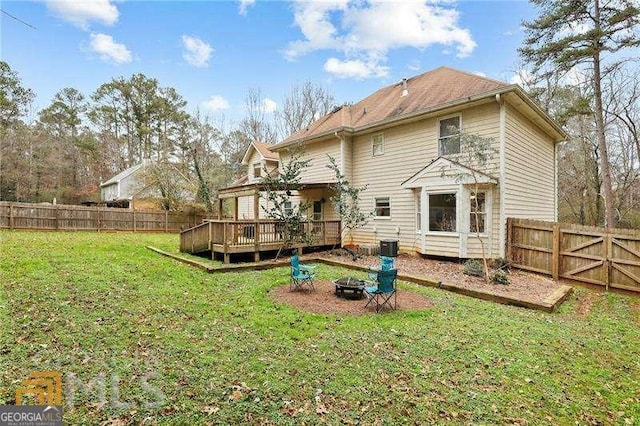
x=593, y=33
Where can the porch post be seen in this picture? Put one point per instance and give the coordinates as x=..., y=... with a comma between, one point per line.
x=220, y=200
x=256, y=224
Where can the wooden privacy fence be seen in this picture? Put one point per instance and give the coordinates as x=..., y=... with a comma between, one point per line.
x=609, y=257
x=64, y=217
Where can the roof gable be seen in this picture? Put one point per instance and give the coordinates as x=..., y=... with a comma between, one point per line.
x=262, y=149
x=443, y=169
x=123, y=175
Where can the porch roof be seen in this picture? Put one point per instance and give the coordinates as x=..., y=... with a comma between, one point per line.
x=444, y=170
x=254, y=188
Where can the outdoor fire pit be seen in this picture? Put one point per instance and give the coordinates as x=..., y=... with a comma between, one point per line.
x=349, y=288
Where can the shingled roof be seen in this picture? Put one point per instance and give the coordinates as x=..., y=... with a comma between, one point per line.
x=263, y=150
x=427, y=91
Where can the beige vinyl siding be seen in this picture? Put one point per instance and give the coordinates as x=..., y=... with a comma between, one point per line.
x=348, y=158
x=317, y=172
x=442, y=245
x=408, y=149
x=529, y=182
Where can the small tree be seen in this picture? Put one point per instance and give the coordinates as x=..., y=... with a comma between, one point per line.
x=290, y=217
x=476, y=154
x=345, y=200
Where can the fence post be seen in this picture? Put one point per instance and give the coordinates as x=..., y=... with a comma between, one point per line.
x=99, y=219
x=607, y=258
x=508, y=250
x=10, y=215
x=166, y=221
x=134, y=220
x=555, y=252
x=56, y=218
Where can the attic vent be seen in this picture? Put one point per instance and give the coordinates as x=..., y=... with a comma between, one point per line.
x=405, y=91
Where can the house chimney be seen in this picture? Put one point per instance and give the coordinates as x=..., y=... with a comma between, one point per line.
x=405, y=91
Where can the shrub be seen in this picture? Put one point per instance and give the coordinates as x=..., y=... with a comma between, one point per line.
x=473, y=267
x=502, y=264
x=500, y=277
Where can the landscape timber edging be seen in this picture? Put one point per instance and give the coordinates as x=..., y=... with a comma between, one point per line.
x=549, y=304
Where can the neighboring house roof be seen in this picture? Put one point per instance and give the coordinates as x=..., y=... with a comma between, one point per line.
x=428, y=92
x=122, y=175
x=262, y=149
x=443, y=167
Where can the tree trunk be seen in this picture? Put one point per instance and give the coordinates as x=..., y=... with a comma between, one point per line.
x=609, y=218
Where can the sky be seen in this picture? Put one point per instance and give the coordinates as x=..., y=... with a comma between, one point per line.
x=214, y=52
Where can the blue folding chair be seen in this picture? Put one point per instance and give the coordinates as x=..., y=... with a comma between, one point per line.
x=383, y=290
x=386, y=263
x=301, y=275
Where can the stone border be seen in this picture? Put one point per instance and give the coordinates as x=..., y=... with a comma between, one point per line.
x=549, y=304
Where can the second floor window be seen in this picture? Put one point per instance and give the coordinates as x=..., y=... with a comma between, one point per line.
x=377, y=142
x=449, y=136
x=257, y=170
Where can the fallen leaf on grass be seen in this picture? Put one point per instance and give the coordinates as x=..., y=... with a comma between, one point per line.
x=236, y=395
x=209, y=409
x=321, y=409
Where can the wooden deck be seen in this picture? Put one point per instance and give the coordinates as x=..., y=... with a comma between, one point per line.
x=233, y=237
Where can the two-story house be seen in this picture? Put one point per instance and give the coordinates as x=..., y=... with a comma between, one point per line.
x=403, y=142
x=401, y=139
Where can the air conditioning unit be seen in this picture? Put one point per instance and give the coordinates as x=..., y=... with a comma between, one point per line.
x=369, y=250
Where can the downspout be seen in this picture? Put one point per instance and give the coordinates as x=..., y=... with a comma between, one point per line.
x=341, y=165
x=556, y=146
x=502, y=179
x=343, y=149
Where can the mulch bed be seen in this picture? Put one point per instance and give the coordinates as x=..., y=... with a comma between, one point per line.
x=324, y=301
x=522, y=285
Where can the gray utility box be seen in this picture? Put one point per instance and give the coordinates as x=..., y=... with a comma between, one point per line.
x=389, y=248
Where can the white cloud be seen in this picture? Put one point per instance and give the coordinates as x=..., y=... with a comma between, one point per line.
x=244, y=4
x=81, y=13
x=109, y=50
x=366, y=31
x=269, y=105
x=197, y=51
x=215, y=103
x=480, y=73
x=354, y=69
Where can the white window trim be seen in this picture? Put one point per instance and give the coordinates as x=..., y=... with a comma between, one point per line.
x=488, y=205
x=376, y=217
x=257, y=166
x=459, y=129
x=417, y=199
x=455, y=233
x=373, y=144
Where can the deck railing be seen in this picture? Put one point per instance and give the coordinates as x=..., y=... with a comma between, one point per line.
x=252, y=235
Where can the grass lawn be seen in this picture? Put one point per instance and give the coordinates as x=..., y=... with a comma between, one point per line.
x=142, y=338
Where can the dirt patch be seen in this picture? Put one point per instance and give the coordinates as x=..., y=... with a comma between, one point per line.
x=636, y=307
x=525, y=286
x=585, y=303
x=324, y=301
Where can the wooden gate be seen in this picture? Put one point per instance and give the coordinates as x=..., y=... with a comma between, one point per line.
x=582, y=257
x=603, y=256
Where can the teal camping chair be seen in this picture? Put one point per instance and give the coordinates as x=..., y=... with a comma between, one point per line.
x=383, y=290
x=301, y=274
x=386, y=263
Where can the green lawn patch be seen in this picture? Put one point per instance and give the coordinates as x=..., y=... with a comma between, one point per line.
x=141, y=337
